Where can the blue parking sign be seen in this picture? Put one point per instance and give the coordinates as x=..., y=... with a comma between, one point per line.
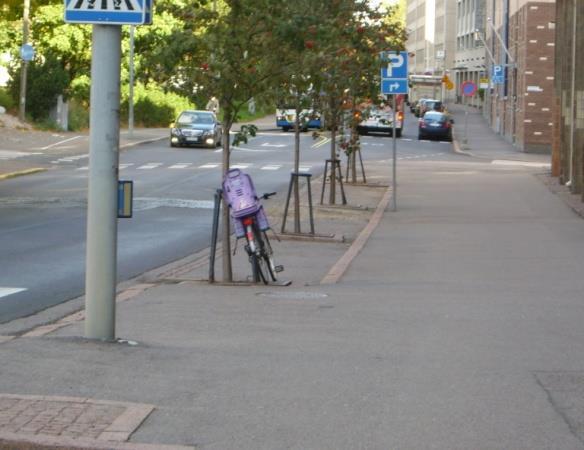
x=498, y=76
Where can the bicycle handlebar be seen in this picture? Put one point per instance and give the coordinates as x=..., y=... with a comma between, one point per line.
x=267, y=195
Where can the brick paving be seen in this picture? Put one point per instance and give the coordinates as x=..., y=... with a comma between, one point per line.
x=70, y=417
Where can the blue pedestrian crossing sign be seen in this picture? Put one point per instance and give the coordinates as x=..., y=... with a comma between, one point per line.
x=109, y=12
x=394, y=73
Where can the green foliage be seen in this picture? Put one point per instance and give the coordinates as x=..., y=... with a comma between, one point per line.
x=45, y=82
x=153, y=107
x=6, y=99
x=78, y=116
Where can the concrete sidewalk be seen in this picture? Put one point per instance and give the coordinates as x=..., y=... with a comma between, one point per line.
x=457, y=325
x=483, y=142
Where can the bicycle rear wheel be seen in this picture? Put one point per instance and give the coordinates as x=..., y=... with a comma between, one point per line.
x=261, y=260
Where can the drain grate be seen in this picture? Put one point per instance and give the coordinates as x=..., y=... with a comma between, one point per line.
x=293, y=295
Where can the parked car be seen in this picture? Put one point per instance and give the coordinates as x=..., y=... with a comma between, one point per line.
x=431, y=104
x=196, y=128
x=421, y=106
x=377, y=120
x=435, y=124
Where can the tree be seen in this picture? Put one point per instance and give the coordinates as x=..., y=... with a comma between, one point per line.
x=228, y=54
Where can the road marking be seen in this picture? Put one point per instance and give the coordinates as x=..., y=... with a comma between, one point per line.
x=145, y=203
x=60, y=142
x=208, y=166
x=180, y=166
x=506, y=162
x=239, y=166
x=271, y=167
x=125, y=165
x=407, y=139
x=249, y=149
x=9, y=154
x=149, y=166
x=266, y=144
x=83, y=168
x=5, y=291
x=304, y=168
x=323, y=141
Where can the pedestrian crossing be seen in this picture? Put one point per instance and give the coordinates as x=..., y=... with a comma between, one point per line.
x=104, y=5
x=207, y=166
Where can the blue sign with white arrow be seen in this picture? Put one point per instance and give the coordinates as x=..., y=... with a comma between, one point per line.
x=394, y=75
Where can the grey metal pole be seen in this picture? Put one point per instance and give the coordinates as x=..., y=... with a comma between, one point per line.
x=131, y=80
x=104, y=134
x=23, y=63
x=465, y=102
x=394, y=175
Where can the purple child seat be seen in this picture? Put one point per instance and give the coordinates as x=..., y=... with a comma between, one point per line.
x=240, y=194
x=242, y=199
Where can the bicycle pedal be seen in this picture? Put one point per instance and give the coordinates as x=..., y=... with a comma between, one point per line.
x=279, y=269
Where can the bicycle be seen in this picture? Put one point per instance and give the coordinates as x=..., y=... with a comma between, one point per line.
x=250, y=221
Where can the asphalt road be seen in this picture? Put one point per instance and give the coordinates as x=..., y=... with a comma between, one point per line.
x=43, y=216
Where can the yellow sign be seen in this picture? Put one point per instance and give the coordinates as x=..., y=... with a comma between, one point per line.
x=449, y=85
x=484, y=83
x=445, y=79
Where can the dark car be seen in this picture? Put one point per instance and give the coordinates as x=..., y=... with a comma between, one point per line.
x=430, y=104
x=196, y=128
x=436, y=125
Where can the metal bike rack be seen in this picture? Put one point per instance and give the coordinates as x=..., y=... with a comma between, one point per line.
x=349, y=159
x=335, y=164
x=294, y=178
x=214, y=234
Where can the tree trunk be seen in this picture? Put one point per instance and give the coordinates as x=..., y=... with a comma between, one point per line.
x=333, y=158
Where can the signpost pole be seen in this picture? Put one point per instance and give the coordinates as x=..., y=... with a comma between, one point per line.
x=131, y=87
x=104, y=133
x=465, y=119
x=24, y=63
x=394, y=175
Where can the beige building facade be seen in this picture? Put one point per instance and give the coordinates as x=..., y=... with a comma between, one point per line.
x=431, y=26
x=471, y=59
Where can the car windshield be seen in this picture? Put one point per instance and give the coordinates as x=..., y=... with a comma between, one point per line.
x=189, y=118
x=434, y=117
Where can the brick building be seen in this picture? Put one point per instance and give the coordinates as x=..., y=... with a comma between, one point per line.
x=568, y=145
x=520, y=109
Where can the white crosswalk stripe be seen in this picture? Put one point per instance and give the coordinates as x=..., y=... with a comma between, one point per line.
x=271, y=167
x=149, y=166
x=239, y=166
x=5, y=291
x=208, y=166
x=125, y=165
x=180, y=166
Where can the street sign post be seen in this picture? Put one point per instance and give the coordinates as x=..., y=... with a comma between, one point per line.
x=394, y=80
x=469, y=89
x=103, y=197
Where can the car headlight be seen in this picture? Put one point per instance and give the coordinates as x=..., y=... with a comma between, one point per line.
x=175, y=132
